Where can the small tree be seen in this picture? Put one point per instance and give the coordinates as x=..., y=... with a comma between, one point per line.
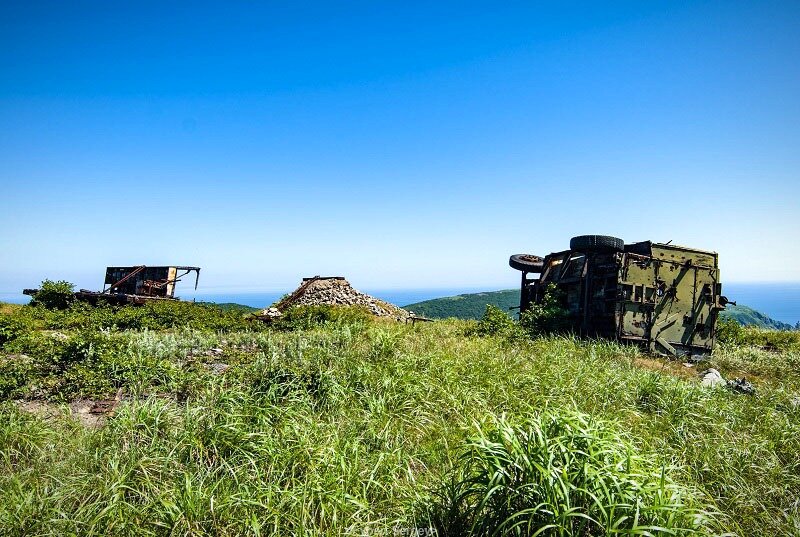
x=729, y=331
x=548, y=316
x=54, y=294
x=494, y=322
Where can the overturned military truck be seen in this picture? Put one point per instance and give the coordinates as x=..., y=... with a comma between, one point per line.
x=661, y=296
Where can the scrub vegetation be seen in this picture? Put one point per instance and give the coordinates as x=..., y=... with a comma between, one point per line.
x=335, y=423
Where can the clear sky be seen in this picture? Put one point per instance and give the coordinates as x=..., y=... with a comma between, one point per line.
x=403, y=145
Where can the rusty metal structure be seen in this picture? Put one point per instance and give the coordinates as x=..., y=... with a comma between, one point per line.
x=139, y=284
x=136, y=285
x=146, y=281
x=663, y=297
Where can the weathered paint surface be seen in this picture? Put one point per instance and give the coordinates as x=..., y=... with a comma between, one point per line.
x=662, y=296
x=143, y=281
x=670, y=299
x=135, y=285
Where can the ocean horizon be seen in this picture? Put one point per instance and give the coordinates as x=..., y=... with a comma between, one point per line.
x=259, y=299
x=400, y=297
x=781, y=301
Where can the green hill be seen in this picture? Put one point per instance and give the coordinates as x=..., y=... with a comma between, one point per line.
x=472, y=306
x=750, y=317
x=467, y=306
x=231, y=306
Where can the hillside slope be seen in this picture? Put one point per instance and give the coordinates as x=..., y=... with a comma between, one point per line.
x=466, y=306
x=472, y=306
x=749, y=317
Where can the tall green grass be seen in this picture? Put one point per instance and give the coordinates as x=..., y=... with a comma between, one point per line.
x=564, y=474
x=357, y=428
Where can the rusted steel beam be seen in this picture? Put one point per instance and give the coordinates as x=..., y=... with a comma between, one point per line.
x=286, y=302
x=130, y=275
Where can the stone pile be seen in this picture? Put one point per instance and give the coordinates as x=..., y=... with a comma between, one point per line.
x=336, y=292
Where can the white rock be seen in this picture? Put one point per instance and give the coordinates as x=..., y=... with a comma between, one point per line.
x=712, y=378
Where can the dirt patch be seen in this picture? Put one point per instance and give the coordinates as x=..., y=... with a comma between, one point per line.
x=41, y=409
x=91, y=413
x=664, y=365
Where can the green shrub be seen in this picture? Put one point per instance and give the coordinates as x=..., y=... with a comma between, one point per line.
x=13, y=326
x=54, y=294
x=160, y=315
x=729, y=331
x=16, y=373
x=308, y=317
x=495, y=322
x=88, y=346
x=55, y=364
x=155, y=315
x=567, y=475
x=550, y=316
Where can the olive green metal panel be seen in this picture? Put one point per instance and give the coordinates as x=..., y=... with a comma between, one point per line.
x=669, y=303
x=637, y=289
x=681, y=255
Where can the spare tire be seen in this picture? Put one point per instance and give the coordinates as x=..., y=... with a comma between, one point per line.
x=602, y=243
x=526, y=262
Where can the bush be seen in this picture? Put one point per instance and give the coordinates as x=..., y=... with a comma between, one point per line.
x=160, y=315
x=731, y=332
x=155, y=315
x=54, y=295
x=54, y=364
x=16, y=372
x=495, y=322
x=11, y=327
x=308, y=317
x=550, y=316
x=563, y=474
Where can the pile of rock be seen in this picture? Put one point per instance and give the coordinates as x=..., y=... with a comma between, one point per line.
x=335, y=291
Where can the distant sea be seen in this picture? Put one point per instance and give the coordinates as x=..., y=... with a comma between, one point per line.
x=781, y=301
x=401, y=297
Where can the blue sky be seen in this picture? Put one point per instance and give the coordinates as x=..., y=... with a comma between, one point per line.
x=402, y=145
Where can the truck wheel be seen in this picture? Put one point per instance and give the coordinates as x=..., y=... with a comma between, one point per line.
x=596, y=243
x=526, y=262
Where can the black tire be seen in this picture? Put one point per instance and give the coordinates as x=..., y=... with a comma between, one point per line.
x=526, y=262
x=596, y=243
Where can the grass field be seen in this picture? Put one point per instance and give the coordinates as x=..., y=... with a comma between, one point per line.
x=360, y=427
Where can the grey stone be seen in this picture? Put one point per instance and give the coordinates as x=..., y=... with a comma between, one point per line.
x=742, y=385
x=712, y=378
